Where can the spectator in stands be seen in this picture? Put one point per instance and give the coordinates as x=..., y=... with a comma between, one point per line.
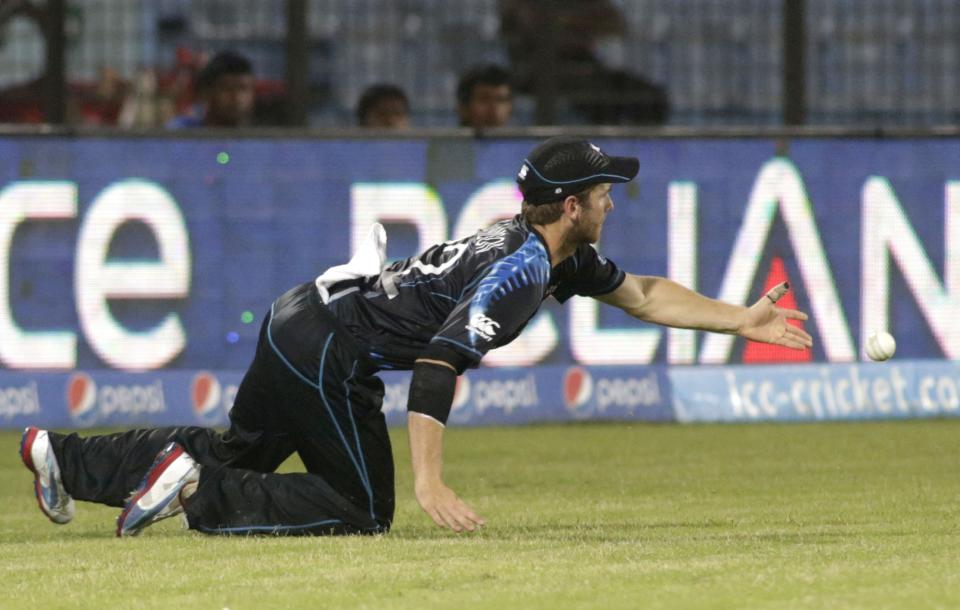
x=485, y=97
x=226, y=89
x=560, y=45
x=383, y=106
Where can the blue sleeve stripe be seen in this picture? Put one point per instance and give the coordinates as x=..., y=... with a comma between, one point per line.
x=530, y=273
x=458, y=344
x=473, y=282
x=444, y=296
x=503, y=276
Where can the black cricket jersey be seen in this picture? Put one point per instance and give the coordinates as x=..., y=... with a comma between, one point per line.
x=460, y=299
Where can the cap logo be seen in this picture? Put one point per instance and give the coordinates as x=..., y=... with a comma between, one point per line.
x=558, y=191
x=596, y=148
x=523, y=172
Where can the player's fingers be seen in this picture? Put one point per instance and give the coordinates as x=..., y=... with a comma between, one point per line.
x=800, y=335
x=792, y=337
x=442, y=519
x=793, y=341
x=470, y=519
x=792, y=344
x=459, y=514
x=450, y=519
x=469, y=513
x=793, y=314
x=465, y=524
x=476, y=518
x=777, y=291
x=435, y=515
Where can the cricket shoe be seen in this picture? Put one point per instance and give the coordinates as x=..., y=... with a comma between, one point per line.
x=173, y=476
x=37, y=455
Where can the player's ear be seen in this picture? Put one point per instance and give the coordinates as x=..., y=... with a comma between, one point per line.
x=572, y=207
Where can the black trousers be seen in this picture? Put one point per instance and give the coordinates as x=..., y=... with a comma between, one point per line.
x=308, y=390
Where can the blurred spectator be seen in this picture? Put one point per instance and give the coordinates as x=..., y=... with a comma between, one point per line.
x=92, y=103
x=22, y=103
x=179, y=83
x=100, y=103
x=563, y=41
x=144, y=108
x=227, y=91
x=485, y=97
x=385, y=106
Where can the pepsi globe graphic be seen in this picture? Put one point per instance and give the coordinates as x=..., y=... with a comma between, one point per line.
x=81, y=396
x=577, y=388
x=205, y=396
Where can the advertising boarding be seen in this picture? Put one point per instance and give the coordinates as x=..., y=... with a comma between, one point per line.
x=135, y=272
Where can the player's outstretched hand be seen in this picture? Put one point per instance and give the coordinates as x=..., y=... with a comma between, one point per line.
x=446, y=509
x=767, y=323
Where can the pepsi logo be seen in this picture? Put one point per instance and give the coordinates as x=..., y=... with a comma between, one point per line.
x=577, y=387
x=81, y=396
x=205, y=394
x=507, y=394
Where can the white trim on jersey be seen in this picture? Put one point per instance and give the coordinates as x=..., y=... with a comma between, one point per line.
x=368, y=261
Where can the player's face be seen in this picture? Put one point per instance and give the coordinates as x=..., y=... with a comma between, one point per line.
x=594, y=214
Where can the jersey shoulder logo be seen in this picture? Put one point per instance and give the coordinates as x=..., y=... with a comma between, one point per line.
x=483, y=326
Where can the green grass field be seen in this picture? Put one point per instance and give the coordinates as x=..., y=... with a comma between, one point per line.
x=586, y=516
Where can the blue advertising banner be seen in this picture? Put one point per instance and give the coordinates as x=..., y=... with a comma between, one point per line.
x=83, y=399
x=911, y=388
x=508, y=396
x=145, y=261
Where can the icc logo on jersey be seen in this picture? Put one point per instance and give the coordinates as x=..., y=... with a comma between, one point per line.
x=483, y=326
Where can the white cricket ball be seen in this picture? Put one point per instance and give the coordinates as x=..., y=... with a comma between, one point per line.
x=881, y=346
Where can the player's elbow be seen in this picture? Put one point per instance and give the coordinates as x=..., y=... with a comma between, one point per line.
x=640, y=305
x=643, y=312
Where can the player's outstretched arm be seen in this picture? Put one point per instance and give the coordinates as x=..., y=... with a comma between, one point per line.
x=431, y=394
x=434, y=497
x=663, y=301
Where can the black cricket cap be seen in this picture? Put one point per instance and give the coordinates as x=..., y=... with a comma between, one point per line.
x=564, y=166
